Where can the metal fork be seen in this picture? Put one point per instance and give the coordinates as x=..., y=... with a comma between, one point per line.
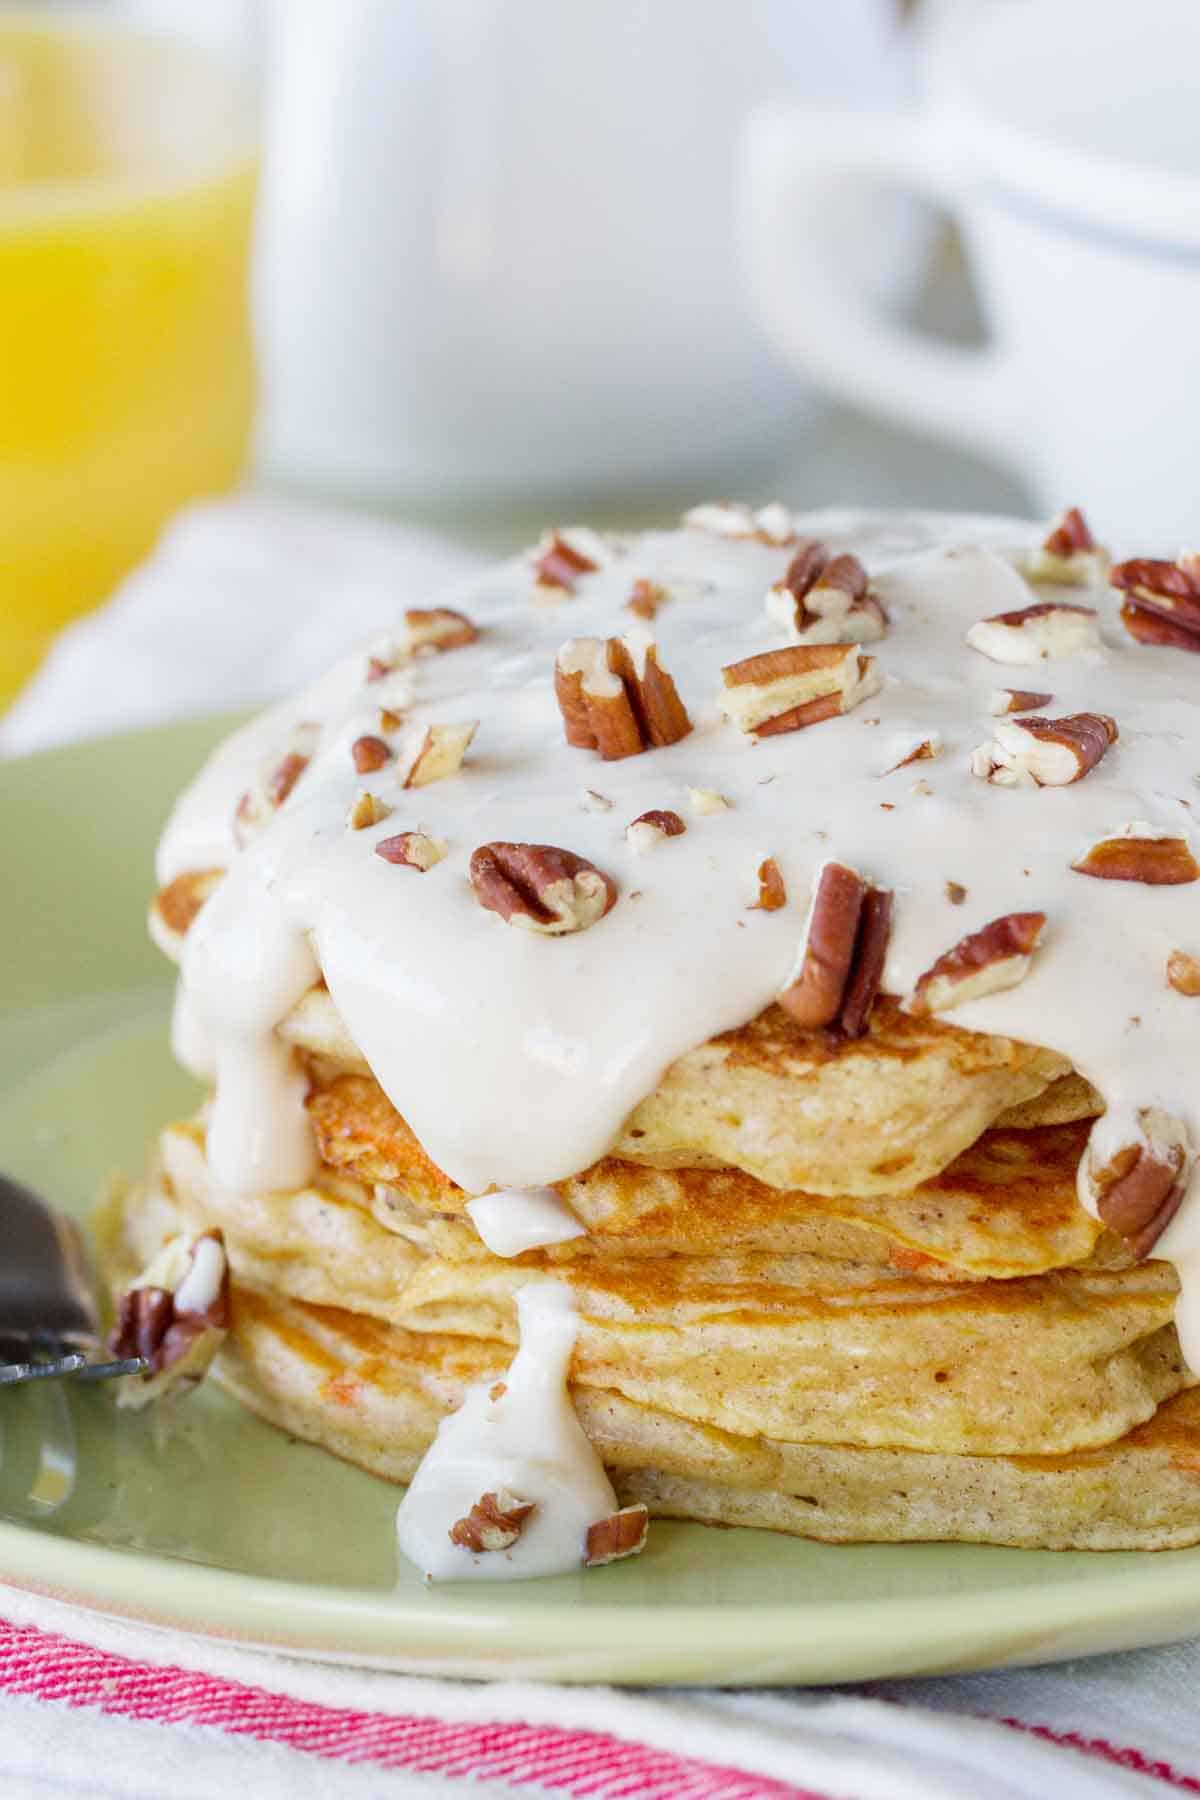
x=49, y=1308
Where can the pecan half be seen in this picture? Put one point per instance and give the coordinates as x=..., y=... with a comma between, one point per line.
x=1163, y=600
x=495, y=1522
x=650, y=828
x=1141, y=852
x=1183, y=973
x=826, y=600
x=1046, y=752
x=1134, y=1174
x=842, y=953
x=1166, y=590
x=369, y=753
x=785, y=690
x=984, y=962
x=620, y=1534
x=438, y=752
x=1034, y=634
x=616, y=698
x=1015, y=700
x=1152, y=628
x=411, y=850
x=541, y=888
x=438, y=628
x=771, y=524
x=772, y=892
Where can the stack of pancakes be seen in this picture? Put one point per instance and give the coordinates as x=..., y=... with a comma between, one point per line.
x=838, y=1288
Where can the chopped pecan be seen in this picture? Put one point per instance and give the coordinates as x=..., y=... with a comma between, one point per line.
x=620, y=1534
x=177, y=904
x=561, y=557
x=826, y=600
x=706, y=800
x=914, y=749
x=1183, y=973
x=284, y=777
x=650, y=828
x=1134, y=1174
x=1015, y=700
x=1068, y=554
x=785, y=690
x=1033, y=634
x=840, y=965
x=541, y=888
x=1141, y=852
x=1068, y=534
x=645, y=599
x=616, y=698
x=369, y=753
x=772, y=892
x=984, y=962
x=273, y=786
x=411, y=850
x=437, y=628
x=771, y=524
x=495, y=1522
x=366, y=811
x=955, y=892
x=175, y=1317
x=438, y=752
x=1046, y=752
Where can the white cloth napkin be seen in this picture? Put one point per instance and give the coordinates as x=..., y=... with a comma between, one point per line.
x=244, y=600
x=241, y=601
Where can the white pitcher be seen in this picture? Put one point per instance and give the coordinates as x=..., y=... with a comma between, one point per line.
x=497, y=248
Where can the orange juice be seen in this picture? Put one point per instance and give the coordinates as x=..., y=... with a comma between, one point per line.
x=127, y=178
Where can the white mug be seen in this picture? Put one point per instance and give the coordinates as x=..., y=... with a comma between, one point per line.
x=497, y=236
x=1062, y=136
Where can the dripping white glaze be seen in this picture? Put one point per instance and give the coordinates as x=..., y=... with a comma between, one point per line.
x=516, y=1058
x=516, y=1219
x=526, y=1440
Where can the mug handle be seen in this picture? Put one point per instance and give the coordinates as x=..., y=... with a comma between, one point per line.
x=797, y=167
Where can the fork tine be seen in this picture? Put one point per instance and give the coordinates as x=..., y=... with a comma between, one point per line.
x=12, y=1374
x=102, y=1371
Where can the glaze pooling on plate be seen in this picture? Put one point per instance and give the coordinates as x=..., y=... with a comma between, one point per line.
x=521, y=1440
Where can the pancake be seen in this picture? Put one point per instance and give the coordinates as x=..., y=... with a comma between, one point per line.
x=374, y=1395
x=778, y=1060
x=795, y=1347
x=1005, y=1206
x=792, y=1108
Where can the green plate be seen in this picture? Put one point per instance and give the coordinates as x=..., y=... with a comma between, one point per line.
x=216, y=1523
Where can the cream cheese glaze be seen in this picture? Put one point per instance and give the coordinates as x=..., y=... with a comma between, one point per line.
x=519, y=1439
x=515, y=1058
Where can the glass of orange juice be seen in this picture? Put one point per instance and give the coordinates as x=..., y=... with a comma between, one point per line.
x=127, y=178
